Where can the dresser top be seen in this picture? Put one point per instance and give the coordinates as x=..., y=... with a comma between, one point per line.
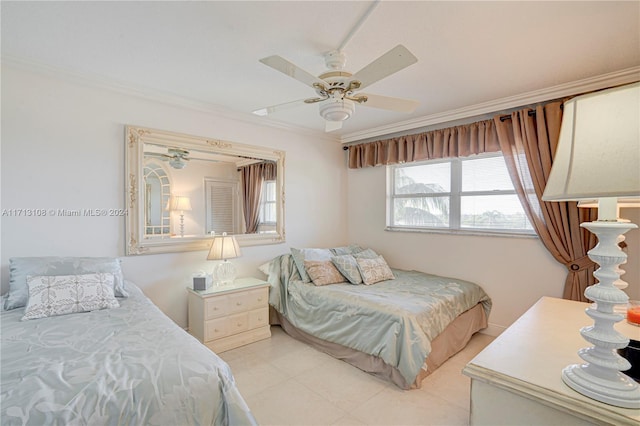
x=530, y=355
x=238, y=284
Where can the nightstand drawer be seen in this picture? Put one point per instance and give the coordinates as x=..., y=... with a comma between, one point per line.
x=216, y=329
x=258, y=318
x=221, y=327
x=216, y=307
x=248, y=300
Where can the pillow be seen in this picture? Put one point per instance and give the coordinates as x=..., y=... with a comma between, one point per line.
x=351, y=249
x=348, y=267
x=65, y=294
x=300, y=255
x=323, y=272
x=374, y=270
x=368, y=254
x=21, y=267
x=264, y=268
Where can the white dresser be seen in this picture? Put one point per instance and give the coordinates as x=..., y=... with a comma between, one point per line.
x=230, y=316
x=516, y=380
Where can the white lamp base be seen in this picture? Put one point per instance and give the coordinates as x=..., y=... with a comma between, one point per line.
x=600, y=378
x=225, y=273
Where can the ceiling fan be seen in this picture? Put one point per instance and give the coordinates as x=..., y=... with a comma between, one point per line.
x=176, y=157
x=337, y=89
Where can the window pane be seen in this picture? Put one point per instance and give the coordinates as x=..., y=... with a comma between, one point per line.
x=423, y=179
x=421, y=211
x=485, y=174
x=494, y=212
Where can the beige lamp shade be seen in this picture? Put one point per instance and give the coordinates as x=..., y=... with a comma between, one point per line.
x=224, y=247
x=598, y=153
x=179, y=203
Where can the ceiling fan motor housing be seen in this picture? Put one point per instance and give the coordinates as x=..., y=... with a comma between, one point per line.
x=337, y=109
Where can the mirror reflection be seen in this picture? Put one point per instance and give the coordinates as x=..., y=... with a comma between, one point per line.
x=224, y=193
x=192, y=188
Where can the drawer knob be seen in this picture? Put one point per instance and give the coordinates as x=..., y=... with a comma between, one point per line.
x=239, y=303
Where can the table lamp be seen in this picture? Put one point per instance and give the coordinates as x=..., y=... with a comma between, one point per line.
x=180, y=204
x=598, y=156
x=224, y=247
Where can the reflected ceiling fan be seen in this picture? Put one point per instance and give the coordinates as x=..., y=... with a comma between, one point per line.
x=337, y=89
x=176, y=157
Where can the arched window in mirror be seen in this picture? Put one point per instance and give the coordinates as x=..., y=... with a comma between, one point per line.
x=157, y=192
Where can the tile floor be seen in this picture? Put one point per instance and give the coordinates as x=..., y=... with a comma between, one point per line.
x=286, y=382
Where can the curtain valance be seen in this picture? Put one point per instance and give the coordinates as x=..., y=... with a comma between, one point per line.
x=458, y=141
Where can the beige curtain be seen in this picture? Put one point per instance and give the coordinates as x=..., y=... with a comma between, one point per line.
x=253, y=177
x=459, y=141
x=528, y=143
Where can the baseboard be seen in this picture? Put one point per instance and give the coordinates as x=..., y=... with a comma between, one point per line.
x=493, y=330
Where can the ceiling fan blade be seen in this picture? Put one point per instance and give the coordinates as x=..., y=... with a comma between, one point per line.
x=278, y=63
x=391, y=62
x=389, y=103
x=275, y=108
x=330, y=126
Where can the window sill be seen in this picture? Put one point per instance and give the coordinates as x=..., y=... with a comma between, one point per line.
x=466, y=232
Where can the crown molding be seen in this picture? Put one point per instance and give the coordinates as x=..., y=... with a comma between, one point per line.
x=629, y=75
x=105, y=83
x=603, y=81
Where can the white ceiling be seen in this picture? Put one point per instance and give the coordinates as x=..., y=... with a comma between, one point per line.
x=470, y=54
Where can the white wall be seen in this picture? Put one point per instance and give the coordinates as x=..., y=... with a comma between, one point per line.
x=63, y=147
x=515, y=272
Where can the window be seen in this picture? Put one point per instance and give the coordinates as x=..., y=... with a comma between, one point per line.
x=267, y=212
x=458, y=194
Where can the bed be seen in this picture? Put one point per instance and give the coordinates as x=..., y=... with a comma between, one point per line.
x=400, y=328
x=128, y=364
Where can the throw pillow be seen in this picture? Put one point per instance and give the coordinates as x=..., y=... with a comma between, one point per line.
x=323, y=272
x=374, y=270
x=65, y=294
x=21, y=267
x=300, y=255
x=348, y=267
x=368, y=254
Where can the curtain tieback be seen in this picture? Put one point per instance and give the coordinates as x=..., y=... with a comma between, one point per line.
x=579, y=264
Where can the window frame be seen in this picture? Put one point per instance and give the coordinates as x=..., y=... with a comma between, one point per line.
x=455, y=195
x=264, y=203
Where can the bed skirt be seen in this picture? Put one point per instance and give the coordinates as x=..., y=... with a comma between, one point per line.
x=452, y=340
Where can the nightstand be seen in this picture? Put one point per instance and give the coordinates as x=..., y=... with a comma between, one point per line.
x=230, y=316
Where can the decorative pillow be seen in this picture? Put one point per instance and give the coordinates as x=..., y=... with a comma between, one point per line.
x=65, y=294
x=367, y=254
x=21, y=267
x=264, y=268
x=374, y=270
x=351, y=249
x=323, y=272
x=348, y=267
x=300, y=255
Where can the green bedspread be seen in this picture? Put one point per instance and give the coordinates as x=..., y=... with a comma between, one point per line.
x=395, y=320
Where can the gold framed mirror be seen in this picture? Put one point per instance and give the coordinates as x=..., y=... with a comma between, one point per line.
x=207, y=186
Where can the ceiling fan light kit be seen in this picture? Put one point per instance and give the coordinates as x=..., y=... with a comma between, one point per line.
x=337, y=109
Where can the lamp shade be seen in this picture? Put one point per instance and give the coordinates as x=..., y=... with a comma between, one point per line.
x=598, y=153
x=224, y=247
x=179, y=203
